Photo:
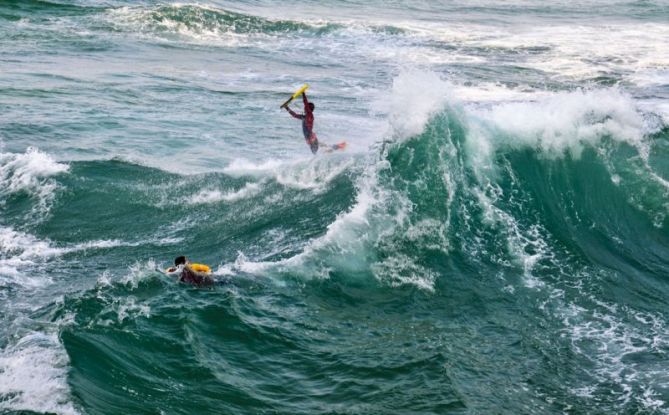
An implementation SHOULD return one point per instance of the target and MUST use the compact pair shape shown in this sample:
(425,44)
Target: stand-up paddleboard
(295,95)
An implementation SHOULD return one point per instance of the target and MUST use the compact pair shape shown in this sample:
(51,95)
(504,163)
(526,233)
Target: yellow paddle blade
(295,95)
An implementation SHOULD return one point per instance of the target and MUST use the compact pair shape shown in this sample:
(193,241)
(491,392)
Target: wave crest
(31,173)
(202,22)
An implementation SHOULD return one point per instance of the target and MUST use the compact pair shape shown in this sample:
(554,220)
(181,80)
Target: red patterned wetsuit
(190,276)
(307,124)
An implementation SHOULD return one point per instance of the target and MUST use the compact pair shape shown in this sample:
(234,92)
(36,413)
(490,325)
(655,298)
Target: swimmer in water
(191,273)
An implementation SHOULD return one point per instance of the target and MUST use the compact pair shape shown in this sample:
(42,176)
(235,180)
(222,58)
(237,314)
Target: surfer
(307,123)
(191,273)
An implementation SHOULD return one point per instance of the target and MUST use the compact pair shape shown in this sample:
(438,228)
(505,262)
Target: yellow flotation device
(200,268)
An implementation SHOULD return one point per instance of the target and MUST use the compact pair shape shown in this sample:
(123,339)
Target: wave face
(495,238)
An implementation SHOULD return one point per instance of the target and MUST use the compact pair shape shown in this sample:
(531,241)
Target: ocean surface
(494,240)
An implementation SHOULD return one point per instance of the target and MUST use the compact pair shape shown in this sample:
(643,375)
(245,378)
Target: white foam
(313,173)
(138,272)
(116,243)
(574,51)
(491,92)
(343,245)
(652,400)
(605,337)
(400,269)
(20,251)
(618,48)
(27,247)
(430,233)
(201,26)
(24,246)
(409,112)
(242,167)
(651,78)
(129,308)
(527,247)
(104,280)
(563,122)
(209,196)
(33,375)
(243,264)
(30,172)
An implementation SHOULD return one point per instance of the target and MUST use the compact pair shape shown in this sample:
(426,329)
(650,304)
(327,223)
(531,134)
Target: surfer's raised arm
(293,113)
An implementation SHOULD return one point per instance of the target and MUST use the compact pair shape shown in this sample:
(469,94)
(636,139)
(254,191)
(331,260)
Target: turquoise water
(495,238)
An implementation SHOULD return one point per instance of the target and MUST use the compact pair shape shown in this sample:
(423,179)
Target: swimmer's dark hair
(179,260)
(312,106)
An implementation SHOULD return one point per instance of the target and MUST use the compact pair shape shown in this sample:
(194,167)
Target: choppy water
(494,240)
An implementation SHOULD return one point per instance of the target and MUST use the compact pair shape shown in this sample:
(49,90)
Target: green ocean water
(494,240)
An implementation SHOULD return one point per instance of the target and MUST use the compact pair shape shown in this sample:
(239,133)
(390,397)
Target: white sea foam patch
(31,172)
(575,51)
(33,375)
(492,92)
(314,173)
(23,245)
(138,272)
(208,196)
(401,269)
(407,111)
(629,49)
(526,245)
(623,345)
(560,123)
(243,264)
(197,23)
(116,309)
(116,243)
(243,167)
(20,251)
(161,21)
